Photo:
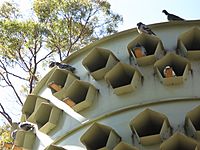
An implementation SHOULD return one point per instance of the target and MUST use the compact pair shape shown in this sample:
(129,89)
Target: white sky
(146,11)
(133,11)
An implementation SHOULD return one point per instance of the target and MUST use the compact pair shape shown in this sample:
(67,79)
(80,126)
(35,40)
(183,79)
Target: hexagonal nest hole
(47,117)
(150,124)
(123,78)
(79,95)
(177,63)
(150,127)
(150,43)
(178,68)
(43,114)
(99,61)
(191,39)
(29,105)
(60,78)
(179,142)
(100,136)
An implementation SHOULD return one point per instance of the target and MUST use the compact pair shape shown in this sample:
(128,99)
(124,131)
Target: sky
(133,11)
(146,11)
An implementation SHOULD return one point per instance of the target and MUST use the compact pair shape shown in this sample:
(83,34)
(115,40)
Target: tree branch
(5,114)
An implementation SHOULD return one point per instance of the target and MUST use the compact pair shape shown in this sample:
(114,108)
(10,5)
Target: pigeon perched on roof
(142,28)
(172,17)
(62,66)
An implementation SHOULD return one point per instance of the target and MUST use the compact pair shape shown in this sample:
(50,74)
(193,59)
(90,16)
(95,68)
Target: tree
(5,131)
(75,23)
(59,27)
(21,48)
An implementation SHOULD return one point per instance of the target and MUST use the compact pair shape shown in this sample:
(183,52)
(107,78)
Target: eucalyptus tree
(57,28)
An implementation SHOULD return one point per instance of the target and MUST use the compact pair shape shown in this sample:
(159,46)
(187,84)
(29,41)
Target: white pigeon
(142,28)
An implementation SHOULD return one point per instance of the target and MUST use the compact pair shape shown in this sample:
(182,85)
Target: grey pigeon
(142,28)
(13,134)
(62,66)
(172,17)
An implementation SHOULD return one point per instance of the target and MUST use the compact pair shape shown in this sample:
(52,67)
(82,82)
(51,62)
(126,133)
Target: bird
(169,72)
(172,17)
(13,134)
(62,66)
(26,126)
(142,28)
(139,51)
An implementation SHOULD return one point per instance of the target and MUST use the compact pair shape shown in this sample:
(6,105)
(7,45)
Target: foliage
(5,134)
(9,11)
(58,28)
(75,23)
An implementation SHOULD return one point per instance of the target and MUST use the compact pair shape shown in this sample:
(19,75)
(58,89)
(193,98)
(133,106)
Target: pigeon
(172,17)
(13,134)
(26,126)
(169,72)
(142,28)
(139,50)
(62,66)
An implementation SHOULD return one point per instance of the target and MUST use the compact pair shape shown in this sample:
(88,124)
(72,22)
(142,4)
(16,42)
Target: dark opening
(193,45)
(121,79)
(196,122)
(80,94)
(150,127)
(98,63)
(98,141)
(44,116)
(59,78)
(150,47)
(183,146)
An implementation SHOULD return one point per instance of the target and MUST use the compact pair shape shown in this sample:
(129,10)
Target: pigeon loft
(189,43)
(152,45)
(100,136)
(99,61)
(181,67)
(123,78)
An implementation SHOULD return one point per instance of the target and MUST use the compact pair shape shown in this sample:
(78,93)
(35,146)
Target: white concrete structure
(122,102)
